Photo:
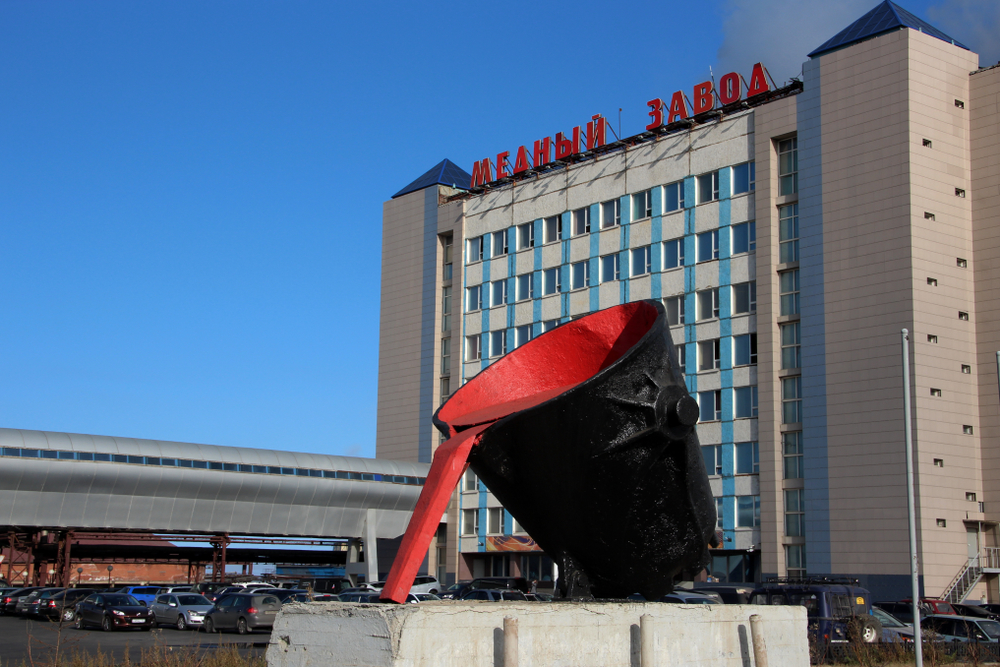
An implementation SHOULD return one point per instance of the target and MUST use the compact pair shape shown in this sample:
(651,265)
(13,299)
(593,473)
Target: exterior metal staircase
(970,575)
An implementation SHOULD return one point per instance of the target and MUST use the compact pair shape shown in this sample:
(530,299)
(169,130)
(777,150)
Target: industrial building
(791,231)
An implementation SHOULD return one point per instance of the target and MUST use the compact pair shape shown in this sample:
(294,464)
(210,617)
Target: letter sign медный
(705,96)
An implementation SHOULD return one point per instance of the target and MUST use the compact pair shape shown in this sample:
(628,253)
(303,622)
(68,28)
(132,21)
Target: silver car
(181,610)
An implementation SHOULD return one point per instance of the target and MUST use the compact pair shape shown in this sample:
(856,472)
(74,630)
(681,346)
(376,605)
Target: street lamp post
(911,503)
(110,567)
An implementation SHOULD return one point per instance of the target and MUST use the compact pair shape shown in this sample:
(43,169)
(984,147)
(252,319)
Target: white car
(424,584)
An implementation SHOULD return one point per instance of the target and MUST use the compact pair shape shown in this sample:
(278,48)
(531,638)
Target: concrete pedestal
(523,634)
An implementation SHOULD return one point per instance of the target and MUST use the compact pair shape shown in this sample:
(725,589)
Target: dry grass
(156,656)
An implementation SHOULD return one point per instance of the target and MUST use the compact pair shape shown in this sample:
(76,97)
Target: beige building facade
(791,239)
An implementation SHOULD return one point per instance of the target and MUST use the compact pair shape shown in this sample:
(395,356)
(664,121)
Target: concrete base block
(523,634)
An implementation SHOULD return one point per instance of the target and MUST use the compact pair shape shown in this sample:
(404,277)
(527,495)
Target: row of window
(706,186)
(744,404)
(494,522)
(746,454)
(747,510)
(206,465)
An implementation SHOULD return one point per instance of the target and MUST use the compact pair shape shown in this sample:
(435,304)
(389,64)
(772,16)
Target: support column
(371,547)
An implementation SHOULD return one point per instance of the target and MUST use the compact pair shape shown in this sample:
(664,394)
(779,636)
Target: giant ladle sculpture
(586,435)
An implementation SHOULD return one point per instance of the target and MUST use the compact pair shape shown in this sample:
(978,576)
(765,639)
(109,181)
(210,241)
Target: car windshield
(991,628)
(455,587)
(887,620)
(808,600)
(192,600)
(121,601)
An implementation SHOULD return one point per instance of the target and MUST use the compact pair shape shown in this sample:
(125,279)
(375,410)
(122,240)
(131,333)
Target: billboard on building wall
(511,543)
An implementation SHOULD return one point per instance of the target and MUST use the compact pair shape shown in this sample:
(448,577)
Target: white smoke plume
(974,23)
(779,33)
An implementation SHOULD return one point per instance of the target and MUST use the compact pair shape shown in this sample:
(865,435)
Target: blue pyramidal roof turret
(445,172)
(886,17)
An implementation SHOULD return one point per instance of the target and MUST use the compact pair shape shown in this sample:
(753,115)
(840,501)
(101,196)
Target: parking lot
(18,636)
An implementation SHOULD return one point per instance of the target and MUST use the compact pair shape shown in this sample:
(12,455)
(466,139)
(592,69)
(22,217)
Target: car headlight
(116,612)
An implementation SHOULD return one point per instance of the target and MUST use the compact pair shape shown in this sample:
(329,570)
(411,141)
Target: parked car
(836,610)
(292,595)
(974,610)
(425,597)
(425,584)
(113,610)
(931,606)
(206,588)
(456,590)
(28,605)
(10,600)
(326,597)
(893,629)
(679,596)
(495,595)
(181,610)
(243,612)
(141,593)
(954,628)
(173,589)
(729,593)
(510,583)
(63,604)
(359,596)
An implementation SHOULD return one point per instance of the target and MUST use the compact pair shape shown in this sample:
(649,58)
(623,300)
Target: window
(516,528)
(791,400)
(960,104)
(791,446)
(708,187)
(962,315)
(961,263)
(580,274)
(745,402)
(673,197)
(581,221)
(710,403)
(719,505)
(526,236)
(713,459)
(549,325)
(641,261)
(446,308)
(744,237)
(743,178)
(788,166)
(553,228)
(525,287)
(445,356)
(745,350)
(474,250)
(470,522)
(610,266)
(551,281)
(447,243)
(932,282)
(931,338)
(494,521)
(967,429)
(642,205)
(795,561)
(747,458)
(673,254)
(498,293)
(788,288)
(522,335)
(791,346)
(939,463)
(469,481)
(611,213)
(788,233)
(708,246)
(498,244)
(967,369)
(473,298)
(498,343)
(745,297)
(674,306)
(970,497)
(708,304)
(681,356)
(942,523)
(747,511)
(959,192)
(708,354)
(473,348)
(795,518)
(444,384)
(929,216)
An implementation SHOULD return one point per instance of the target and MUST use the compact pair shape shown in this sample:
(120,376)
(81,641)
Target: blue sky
(191,192)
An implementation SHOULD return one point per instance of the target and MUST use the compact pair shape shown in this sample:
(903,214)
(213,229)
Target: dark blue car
(838,610)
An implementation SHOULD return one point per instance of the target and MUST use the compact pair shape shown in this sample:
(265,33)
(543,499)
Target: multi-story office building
(791,235)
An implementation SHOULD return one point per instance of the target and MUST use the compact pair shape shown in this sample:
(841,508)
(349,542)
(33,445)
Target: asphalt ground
(28,641)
